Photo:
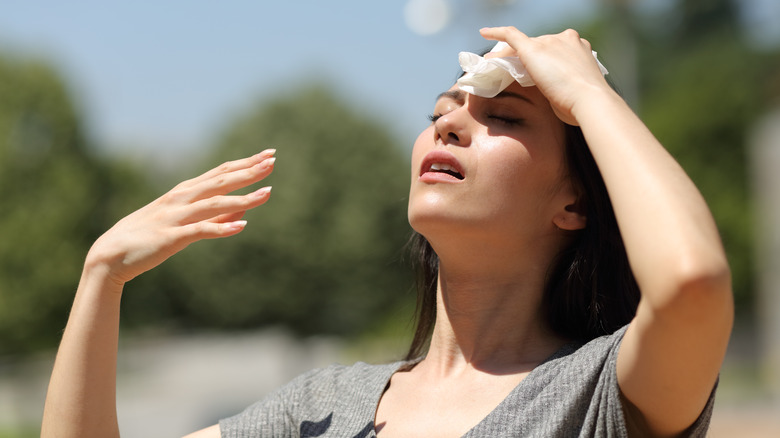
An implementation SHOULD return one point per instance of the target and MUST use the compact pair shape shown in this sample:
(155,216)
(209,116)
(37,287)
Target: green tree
(55,199)
(323,256)
(702,103)
(702,87)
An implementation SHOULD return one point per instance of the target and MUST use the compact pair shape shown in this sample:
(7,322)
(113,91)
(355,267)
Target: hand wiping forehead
(488,77)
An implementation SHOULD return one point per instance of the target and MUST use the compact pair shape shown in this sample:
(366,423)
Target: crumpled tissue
(488,77)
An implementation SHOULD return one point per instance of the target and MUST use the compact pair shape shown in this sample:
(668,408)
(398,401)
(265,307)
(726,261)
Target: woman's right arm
(671,354)
(81,399)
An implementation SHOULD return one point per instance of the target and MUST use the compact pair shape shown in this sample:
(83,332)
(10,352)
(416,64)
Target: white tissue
(488,77)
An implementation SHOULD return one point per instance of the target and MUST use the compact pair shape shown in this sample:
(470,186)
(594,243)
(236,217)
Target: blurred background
(105,106)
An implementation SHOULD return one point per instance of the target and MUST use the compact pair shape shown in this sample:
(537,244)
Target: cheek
(518,174)
(503,162)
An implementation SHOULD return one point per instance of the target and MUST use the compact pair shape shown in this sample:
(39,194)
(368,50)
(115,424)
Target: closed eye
(509,121)
(434,117)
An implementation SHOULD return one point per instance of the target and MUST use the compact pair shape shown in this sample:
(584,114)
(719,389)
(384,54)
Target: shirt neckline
(395,367)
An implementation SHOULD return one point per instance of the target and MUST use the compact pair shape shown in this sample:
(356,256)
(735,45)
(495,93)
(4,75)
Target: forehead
(531,95)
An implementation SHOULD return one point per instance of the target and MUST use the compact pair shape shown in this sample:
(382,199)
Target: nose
(453,128)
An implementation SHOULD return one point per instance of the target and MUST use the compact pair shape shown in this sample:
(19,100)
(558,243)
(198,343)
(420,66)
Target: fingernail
(266,153)
(262,192)
(268,162)
(236,225)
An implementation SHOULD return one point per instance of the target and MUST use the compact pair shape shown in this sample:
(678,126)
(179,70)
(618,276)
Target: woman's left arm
(671,355)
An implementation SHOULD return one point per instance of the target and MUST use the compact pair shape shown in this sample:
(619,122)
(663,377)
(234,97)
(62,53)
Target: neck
(489,312)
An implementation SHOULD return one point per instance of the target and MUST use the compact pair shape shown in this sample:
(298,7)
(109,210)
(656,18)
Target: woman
(496,195)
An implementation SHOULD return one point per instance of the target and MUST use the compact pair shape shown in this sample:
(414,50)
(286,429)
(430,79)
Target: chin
(427,211)
(428,221)
(435,224)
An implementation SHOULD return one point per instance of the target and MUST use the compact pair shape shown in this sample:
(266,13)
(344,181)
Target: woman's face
(489,165)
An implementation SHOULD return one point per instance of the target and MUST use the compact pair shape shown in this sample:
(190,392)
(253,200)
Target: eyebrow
(504,94)
(460,96)
(456,95)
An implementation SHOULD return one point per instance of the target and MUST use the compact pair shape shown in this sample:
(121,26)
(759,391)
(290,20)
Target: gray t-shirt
(574,393)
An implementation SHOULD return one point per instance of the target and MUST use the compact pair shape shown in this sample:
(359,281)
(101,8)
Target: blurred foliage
(702,87)
(54,198)
(323,256)
(28,432)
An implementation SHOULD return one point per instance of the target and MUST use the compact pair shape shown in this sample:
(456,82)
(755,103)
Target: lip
(440,157)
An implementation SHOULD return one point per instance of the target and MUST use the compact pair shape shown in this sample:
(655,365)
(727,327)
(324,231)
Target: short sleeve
(614,423)
(335,401)
(269,417)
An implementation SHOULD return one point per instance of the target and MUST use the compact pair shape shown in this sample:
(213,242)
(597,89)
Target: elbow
(705,276)
(699,290)
(711,285)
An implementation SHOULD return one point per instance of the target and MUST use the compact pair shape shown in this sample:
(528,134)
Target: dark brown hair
(590,289)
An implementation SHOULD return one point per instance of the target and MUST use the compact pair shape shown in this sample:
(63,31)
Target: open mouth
(445,168)
(441,166)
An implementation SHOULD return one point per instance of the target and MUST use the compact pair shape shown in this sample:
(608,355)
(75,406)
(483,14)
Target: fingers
(213,218)
(503,53)
(517,39)
(503,34)
(509,35)
(201,207)
(196,209)
(226,178)
(230,166)
(229,217)
(218,209)
(207,230)
(585,43)
(221,184)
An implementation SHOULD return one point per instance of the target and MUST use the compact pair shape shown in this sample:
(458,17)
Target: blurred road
(745,420)
(175,385)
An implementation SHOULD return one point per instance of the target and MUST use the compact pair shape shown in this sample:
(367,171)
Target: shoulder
(343,377)
(573,393)
(583,360)
(584,380)
(336,398)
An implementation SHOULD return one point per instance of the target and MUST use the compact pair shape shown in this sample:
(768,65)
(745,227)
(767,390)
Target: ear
(572,217)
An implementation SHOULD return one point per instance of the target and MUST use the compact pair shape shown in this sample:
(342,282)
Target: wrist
(597,102)
(98,271)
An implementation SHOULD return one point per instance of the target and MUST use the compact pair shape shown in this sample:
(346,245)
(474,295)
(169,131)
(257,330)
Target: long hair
(590,290)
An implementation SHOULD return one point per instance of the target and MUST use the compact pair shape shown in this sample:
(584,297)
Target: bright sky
(168,75)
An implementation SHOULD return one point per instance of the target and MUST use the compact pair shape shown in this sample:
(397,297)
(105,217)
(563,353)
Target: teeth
(442,167)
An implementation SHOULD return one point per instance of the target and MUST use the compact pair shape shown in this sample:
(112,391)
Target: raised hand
(199,208)
(562,66)
(81,399)
(671,354)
